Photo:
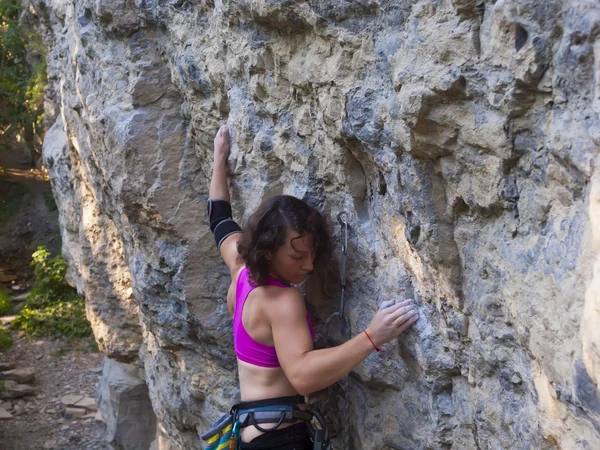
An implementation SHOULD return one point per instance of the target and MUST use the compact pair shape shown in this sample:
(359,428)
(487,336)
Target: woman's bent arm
(318,369)
(310,370)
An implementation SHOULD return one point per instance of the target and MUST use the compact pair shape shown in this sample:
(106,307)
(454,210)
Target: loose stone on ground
(4,414)
(22,376)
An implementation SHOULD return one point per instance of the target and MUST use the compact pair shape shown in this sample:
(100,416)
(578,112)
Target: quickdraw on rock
(344,328)
(344,324)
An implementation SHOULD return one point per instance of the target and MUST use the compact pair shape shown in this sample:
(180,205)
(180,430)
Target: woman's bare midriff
(259,383)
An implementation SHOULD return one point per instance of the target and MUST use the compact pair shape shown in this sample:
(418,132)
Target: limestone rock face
(462,139)
(90,240)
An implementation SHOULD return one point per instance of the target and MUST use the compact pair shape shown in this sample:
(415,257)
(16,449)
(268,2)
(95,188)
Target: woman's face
(294,260)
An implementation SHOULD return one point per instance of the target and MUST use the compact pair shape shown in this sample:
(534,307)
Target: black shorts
(294,437)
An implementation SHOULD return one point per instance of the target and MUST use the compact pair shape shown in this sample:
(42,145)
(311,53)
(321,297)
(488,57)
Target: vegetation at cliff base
(22,72)
(5,307)
(53,308)
(5,340)
(5,303)
(13,197)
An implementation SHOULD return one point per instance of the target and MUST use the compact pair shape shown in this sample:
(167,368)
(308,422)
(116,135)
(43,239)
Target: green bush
(5,303)
(49,200)
(13,197)
(81,345)
(50,285)
(53,308)
(65,318)
(21,86)
(5,342)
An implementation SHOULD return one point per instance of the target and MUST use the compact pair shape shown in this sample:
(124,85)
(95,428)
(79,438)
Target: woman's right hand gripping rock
(221,145)
(391,321)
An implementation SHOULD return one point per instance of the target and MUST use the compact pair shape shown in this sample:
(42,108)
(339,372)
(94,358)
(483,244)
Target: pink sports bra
(246,348)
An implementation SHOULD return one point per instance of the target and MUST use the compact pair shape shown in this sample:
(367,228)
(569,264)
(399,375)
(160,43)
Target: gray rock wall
(461,137)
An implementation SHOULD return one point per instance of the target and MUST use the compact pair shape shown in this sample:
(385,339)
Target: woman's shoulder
(280,300)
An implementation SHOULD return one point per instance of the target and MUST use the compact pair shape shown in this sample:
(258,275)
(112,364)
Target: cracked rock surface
(460,136)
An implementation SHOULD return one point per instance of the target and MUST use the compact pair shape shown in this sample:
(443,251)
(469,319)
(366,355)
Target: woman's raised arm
(218,183)
(225,229)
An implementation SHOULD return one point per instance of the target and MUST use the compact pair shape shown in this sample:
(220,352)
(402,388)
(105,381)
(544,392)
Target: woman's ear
(268,256)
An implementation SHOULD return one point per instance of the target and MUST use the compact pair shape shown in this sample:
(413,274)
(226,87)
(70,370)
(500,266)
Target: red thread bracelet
(380,350)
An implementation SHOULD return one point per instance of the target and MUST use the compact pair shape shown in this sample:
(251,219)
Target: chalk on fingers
(387,304)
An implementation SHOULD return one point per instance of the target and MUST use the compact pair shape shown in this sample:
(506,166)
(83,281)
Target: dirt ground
(61,366)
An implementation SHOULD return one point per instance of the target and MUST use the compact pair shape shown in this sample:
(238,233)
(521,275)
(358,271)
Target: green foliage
(5,343)
(5,303)
(65,318)
(50,285)
(53,308)
(13,197)
(21,86)
(49,201)
(81,346)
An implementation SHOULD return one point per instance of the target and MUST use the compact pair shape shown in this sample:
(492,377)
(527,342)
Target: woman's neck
(277,278)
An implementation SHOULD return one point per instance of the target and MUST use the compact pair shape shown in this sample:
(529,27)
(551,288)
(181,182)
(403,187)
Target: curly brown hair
(266,232)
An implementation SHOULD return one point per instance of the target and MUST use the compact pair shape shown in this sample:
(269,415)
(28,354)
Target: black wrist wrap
(221,223)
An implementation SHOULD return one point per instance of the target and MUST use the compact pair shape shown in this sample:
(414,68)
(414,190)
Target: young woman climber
(273,337)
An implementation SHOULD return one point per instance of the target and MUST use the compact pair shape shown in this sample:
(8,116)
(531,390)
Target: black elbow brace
(221,223)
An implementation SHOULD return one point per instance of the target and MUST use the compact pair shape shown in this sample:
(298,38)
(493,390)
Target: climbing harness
(345,329)
(225,433)
(219,436)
